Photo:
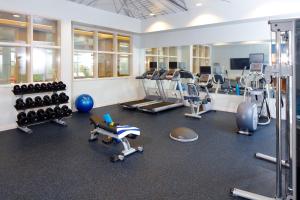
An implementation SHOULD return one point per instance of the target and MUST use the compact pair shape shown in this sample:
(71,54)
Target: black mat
(58,162)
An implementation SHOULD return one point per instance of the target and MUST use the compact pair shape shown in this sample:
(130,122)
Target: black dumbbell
(66,111)
(55,86)
(29,102)
(50,113)
(20,104)
(22,119)
(38,101)
(55,98)
(63,98)
(47,100)
(32,116)
(41,114)
(58,112)
(17,89)
(49,87)
(30,88)
(23,89)
(61,85)
(44,87)
(37,88)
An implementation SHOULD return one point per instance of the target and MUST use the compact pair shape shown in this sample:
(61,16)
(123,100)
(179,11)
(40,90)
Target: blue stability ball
(84,103)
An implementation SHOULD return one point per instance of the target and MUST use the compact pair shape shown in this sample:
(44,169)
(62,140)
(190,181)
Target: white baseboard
(8,127)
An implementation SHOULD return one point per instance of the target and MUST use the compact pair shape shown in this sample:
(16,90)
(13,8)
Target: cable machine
(284,69)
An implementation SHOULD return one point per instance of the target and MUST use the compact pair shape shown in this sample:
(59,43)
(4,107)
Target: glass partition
(83,40)
(105,42)
(83,65)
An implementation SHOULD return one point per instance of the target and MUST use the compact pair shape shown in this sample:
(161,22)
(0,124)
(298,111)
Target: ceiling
(143,9)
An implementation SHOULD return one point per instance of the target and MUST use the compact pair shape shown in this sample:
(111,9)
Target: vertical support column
(278,118)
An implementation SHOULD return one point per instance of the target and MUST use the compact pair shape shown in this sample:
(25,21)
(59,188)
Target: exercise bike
(199,105)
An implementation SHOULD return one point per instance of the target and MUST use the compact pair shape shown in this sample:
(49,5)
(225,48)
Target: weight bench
(118,132)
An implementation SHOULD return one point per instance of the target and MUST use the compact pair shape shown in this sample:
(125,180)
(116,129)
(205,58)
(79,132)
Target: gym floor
(59,163)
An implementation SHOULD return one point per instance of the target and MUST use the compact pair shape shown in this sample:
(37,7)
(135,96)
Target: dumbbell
(61,85)
(55,98)
(66,111)
(38,101)
(23,89)
(29,102)
(50,113)
(32,117)
(20,104)
(22,119)
(37,87)
(44,87)
(49,87)
(17,89)
(55,86)
(63,98)
(47,100)
(30,88)
(41,114)
(58,112)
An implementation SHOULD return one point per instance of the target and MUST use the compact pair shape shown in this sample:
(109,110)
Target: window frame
(96,51)
(31,44)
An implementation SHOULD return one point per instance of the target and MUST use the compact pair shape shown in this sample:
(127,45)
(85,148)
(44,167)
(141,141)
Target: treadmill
(168,103)
(148,99)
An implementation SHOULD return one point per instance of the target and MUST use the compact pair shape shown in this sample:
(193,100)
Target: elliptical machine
(254,110)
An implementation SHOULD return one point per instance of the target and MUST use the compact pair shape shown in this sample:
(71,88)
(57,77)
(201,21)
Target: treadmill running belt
(156,105)
(130,103)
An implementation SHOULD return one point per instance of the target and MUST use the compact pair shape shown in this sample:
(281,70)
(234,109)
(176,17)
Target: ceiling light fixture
(199,4)
(16,16)
(152,14)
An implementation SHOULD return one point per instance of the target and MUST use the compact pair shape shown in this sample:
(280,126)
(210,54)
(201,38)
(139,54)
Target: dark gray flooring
(59,163)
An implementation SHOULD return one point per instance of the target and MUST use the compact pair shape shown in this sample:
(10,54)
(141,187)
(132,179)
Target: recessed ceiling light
(152,14)
(199,4)
(16,16)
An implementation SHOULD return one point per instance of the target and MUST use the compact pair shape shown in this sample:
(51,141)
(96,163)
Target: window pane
(45,30)
(13,65)
(123,65)
(123,44)
(83,64)
(151,51)
(105,65)
(83,40)
(105,42)
(45,64)
(13,27)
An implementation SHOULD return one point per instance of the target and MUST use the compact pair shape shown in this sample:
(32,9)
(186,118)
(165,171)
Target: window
(16,48)
(83,65)
(105,65)
(45,30)
(45,64)
(13,27)
(99,54)
(13,65)
(83,40)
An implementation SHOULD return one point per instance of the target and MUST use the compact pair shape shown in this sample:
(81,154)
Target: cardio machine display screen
(172,65)
(205,70)
(239,63)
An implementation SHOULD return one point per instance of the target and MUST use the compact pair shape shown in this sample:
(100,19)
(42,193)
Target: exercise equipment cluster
(30,105)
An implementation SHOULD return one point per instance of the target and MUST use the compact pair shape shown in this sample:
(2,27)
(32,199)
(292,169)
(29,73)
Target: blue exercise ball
(84,103)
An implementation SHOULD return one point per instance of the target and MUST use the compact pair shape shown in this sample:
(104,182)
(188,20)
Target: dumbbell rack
(26,128)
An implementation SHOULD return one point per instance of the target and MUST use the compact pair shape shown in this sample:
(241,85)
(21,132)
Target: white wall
(215,12)
(105,92)
(235,32)
(222,55)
